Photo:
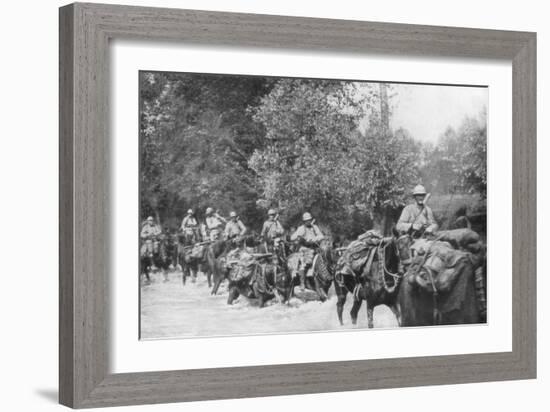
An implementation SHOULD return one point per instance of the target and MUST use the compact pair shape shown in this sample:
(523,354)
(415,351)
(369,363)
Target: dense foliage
(250,143)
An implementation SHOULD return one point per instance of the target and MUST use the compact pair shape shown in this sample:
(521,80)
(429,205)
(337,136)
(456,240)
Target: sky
(427,110)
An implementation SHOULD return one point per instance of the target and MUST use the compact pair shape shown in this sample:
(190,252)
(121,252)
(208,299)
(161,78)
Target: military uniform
(148,232)
(272,229)
(234,229)
(417,215)
(214,226)
(189,223)
(311,234)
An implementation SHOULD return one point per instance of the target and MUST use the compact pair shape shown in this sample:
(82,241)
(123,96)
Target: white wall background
(28,169)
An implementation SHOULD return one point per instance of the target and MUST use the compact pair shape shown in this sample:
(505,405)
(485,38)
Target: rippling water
(171,310)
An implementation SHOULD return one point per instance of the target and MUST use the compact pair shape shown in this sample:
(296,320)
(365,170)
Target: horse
(321,274)
(219,249)
(189,255)
(440,285)
(158,258)
(377,283)
(265,279)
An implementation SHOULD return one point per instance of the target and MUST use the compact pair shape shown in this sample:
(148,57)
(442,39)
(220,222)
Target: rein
(383,270)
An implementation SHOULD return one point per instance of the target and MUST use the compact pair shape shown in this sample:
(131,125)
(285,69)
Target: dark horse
(320,276)
(445,297)
(216,258)
(267,279)
(189,255)
(377,283)
(158,258)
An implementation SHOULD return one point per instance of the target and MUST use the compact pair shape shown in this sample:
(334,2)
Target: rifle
(197,244)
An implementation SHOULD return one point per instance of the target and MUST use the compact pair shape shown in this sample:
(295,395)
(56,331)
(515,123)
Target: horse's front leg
(370,316)
(355,310)
(209,278)
(397,313)
(341,294)
(233,294)
(319,289)
(278,296)
(218,279)
(183,274)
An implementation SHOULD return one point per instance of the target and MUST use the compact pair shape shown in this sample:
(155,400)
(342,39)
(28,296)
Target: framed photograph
(236,188)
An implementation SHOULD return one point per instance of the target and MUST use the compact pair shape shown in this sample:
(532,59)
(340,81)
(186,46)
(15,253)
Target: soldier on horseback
(235,228)
(190,227)
(272,230)
(149,232)
(417,218)
(308,235)
(214,224)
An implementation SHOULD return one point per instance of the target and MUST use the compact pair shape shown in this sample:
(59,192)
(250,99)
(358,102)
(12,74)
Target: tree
(319,158)
(197,137)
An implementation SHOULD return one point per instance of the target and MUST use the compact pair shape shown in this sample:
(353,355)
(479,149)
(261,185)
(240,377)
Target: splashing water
(171,310)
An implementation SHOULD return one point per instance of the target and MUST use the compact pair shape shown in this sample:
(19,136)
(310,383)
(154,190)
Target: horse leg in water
(355,310)
(209,278)
(319,289)
(193,272)
(219,276)
(341,293)
(397,313)
(145,268)
(370,315)
(184,273)
(233,294)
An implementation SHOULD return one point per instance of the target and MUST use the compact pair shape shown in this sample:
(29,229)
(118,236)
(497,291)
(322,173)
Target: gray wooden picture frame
(85,31)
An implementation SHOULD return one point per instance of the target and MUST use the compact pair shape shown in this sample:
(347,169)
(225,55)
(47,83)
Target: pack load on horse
(369,269)
(417,253)
(255,275)
(192,258)
(439,286)
(356,255)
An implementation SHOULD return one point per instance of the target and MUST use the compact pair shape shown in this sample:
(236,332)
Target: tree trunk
(384,108)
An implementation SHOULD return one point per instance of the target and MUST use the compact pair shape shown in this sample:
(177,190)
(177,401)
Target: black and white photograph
(285,205)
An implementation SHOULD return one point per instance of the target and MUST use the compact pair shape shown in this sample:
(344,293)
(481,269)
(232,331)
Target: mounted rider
(190,226)
(308,235)
(235,228)
(272,230)
(214,224)
(417,218)
(149,232)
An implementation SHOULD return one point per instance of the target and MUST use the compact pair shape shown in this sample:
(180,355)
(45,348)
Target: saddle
(359,253)
(438,258)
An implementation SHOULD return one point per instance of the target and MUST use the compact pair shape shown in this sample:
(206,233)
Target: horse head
(403,242)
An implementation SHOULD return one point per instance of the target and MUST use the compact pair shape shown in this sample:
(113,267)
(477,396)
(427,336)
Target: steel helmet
(209,210)
(271,212)
(190,211)
(419,190)
(306,216)
(150,219)
(233,214)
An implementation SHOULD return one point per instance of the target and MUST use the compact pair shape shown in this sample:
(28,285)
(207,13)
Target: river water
(171,310)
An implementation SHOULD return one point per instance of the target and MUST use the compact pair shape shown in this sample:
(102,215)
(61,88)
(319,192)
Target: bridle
(383,269)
